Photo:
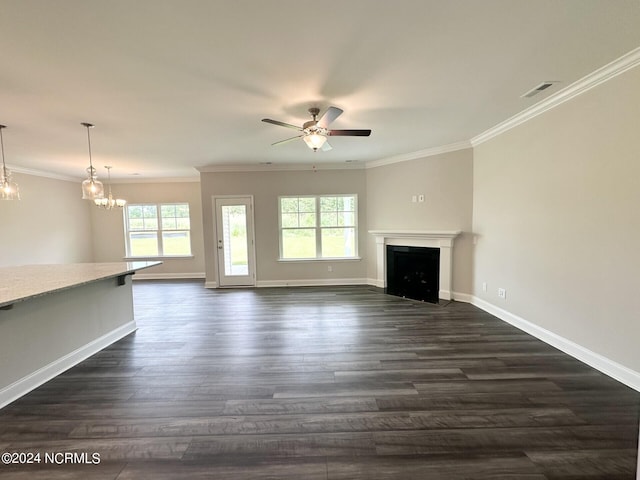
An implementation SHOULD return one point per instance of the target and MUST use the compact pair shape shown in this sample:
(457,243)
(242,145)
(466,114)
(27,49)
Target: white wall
(108,226)
(266,186)
(557,212)
(446,180)
(50,224)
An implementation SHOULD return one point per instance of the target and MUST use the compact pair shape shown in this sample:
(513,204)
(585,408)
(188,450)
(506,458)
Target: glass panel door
(235,243)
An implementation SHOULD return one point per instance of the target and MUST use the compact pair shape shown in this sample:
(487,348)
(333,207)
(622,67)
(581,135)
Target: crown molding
(41,173)
(603,74)
(277,167)
(428,152)
(136,179)
(67,178)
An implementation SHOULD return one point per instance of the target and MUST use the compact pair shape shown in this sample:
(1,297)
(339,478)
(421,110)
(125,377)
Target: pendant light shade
(314,140)
(92,188)
(8,189)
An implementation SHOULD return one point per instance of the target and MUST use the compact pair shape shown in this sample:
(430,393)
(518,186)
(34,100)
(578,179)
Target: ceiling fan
(315,132)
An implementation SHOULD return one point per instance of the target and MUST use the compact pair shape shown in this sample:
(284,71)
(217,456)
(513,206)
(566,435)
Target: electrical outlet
(414,198)
(484,287)
(502,293)
(330,268)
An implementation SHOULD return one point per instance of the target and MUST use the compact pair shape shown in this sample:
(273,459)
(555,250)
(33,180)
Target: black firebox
(413,272)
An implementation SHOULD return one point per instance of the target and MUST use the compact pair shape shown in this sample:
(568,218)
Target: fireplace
(439,240)
(413,272)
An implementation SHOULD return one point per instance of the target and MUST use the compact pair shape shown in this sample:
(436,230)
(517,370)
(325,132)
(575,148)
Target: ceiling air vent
(536,90)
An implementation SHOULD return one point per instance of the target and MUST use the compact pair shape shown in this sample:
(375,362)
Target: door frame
(252,239)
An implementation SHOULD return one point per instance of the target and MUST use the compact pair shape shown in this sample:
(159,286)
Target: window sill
(158,257)
(336,259)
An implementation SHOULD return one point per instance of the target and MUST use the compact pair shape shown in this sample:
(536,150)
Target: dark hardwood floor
(323,383)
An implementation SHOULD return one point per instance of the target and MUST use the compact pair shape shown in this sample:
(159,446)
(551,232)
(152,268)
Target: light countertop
(23,282)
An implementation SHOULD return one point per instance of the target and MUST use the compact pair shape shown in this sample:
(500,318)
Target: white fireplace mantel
(415,238)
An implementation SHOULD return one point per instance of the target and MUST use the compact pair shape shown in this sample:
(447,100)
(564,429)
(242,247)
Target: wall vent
(536,90)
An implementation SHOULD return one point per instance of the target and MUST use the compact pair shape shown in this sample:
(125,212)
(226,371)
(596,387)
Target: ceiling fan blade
(287,140)
(329,116)
(326,147)
(349,133)
(282,124)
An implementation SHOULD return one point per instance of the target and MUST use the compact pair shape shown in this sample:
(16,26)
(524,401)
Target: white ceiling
(176,84)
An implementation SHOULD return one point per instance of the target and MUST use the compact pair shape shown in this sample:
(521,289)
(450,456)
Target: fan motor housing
(309,124)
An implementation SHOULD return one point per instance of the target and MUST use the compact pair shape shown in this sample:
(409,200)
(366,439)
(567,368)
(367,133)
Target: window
(158,230)
(318,227)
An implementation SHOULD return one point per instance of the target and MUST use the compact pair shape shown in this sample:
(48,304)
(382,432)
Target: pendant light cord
(109,179)
(4,166)
(89,142)
(91,170)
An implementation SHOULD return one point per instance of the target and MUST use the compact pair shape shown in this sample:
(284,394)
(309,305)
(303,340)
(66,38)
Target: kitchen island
(54,316)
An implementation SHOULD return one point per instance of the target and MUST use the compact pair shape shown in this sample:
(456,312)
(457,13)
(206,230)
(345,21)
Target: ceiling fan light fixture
(314,141)
(315,132)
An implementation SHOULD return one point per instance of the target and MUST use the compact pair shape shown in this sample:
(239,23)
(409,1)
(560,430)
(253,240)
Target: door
(235,241)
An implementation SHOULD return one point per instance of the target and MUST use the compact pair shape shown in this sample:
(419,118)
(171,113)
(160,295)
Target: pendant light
(109,202)
(91,188)
(8,189)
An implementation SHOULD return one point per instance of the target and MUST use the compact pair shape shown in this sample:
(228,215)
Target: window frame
(158,232)
(318,228)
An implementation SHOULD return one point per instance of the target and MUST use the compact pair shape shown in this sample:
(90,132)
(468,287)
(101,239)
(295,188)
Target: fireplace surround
(443,240)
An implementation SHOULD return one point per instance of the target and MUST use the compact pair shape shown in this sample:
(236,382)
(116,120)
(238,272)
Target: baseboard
(625,375)
(462,297)
(23,386)
(168,276)
(317,282)
(375,283)
(211,284)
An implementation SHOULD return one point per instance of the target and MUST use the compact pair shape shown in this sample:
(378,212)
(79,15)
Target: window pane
(288,205)
(143,244)
(289,220)
(151,223)
(307,219)
(299,243)
(328,219)
(168,210)
(149,211)
(346,219)
(236,242)
(176,243)
(183,223)
(134,211)
(182,210)
(338,242)
(328,204)
(307,204)
(168,223)
(136,224)
(344,203)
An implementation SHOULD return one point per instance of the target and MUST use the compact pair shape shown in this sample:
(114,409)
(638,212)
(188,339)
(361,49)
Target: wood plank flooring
(324,383)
